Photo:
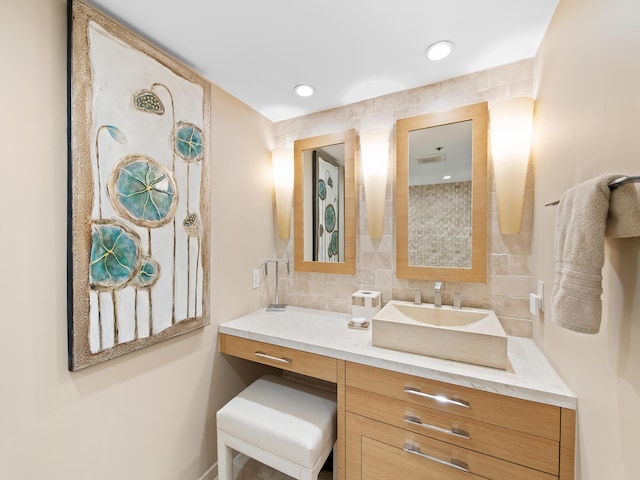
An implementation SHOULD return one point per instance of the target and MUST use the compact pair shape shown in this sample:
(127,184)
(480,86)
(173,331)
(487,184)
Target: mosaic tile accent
(440,225)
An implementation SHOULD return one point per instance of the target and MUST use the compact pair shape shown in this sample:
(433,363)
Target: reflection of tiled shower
(440,225)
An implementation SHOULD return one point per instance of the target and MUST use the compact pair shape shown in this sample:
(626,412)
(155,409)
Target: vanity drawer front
(528,450)
(384,462)
(318,366)
(516,414)
(376,451)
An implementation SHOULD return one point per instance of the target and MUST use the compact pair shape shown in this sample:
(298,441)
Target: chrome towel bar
(612,186)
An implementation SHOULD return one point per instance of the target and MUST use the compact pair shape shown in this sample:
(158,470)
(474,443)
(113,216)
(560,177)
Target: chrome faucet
(276,306)
(438,294)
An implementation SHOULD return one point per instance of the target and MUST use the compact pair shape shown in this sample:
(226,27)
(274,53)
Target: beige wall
(150,414)
(588,123)
(147,415)
(508,286)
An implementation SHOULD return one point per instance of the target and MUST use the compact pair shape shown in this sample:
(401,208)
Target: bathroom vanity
(408,416)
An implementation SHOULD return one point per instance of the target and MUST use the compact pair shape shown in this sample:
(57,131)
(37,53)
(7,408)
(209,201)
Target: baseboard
(211,473)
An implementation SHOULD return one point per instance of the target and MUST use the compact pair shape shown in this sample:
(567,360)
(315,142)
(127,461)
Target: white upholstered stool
(285,425)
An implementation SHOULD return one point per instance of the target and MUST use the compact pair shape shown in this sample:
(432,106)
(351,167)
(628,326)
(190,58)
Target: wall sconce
(511,130)
(374,155)
(282,164)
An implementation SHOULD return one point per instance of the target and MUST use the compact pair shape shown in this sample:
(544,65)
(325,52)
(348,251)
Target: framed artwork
(328,175)
(138,192)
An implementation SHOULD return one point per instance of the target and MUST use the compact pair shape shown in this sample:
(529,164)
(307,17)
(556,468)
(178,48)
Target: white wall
(588,123)
(146,415)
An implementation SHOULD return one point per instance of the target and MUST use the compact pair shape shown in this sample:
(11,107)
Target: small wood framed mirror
(324,205)
(441,195)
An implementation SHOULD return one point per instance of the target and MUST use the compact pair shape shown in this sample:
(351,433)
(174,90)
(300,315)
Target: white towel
(581,223)
(623,220)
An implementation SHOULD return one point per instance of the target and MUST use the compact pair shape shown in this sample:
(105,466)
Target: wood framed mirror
(324,205)
(441,195)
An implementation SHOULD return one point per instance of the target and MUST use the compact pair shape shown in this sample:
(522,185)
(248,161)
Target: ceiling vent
(433,158)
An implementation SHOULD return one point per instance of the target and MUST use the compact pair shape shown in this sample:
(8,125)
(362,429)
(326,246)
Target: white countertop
(530,376)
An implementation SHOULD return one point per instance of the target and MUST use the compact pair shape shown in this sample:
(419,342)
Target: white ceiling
(349,50)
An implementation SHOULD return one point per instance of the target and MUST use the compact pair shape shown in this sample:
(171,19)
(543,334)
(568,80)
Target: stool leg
(225,460)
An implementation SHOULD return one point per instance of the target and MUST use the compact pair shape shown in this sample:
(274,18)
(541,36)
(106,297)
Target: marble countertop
(530,376)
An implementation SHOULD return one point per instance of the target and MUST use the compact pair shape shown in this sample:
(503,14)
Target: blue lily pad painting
(327,208)
(330,218)
(188,142)
(333,245)
(143,191)
(148,273)
(138,192)
(115,255)
(322,189)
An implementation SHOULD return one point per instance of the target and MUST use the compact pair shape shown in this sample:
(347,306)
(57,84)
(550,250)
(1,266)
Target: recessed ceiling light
(439,50)
(304,90)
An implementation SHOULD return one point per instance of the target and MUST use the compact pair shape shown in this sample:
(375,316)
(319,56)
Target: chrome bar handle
(438,398)
(456,432)
(453,463)
(275,359)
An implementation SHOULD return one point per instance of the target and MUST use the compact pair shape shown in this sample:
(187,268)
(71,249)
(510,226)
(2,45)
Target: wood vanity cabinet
(298,361)
(394,426)
(403,427)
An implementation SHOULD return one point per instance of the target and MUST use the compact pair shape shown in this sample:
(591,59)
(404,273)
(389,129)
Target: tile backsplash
(440,225)
(509,256)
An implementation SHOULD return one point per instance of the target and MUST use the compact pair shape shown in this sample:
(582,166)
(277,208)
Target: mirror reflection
(440,188)
(324,203)
(324,207)
(441,195)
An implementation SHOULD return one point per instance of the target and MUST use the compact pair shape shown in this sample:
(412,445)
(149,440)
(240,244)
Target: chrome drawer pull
(457,464)
(437,398)
(456,432)
(275,359)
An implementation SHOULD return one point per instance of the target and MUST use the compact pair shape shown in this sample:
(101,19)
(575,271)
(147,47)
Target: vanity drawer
(376,451)
(528,450)
(384,462)
(318,366)
(522,415)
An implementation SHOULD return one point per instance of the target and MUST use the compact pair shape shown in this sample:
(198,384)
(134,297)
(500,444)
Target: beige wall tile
(508,255)
(510,285)
(519,264)
(525,88)
(517,307)
(512,73)
(498,264)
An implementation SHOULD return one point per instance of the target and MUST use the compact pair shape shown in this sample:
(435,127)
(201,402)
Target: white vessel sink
(469,335)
